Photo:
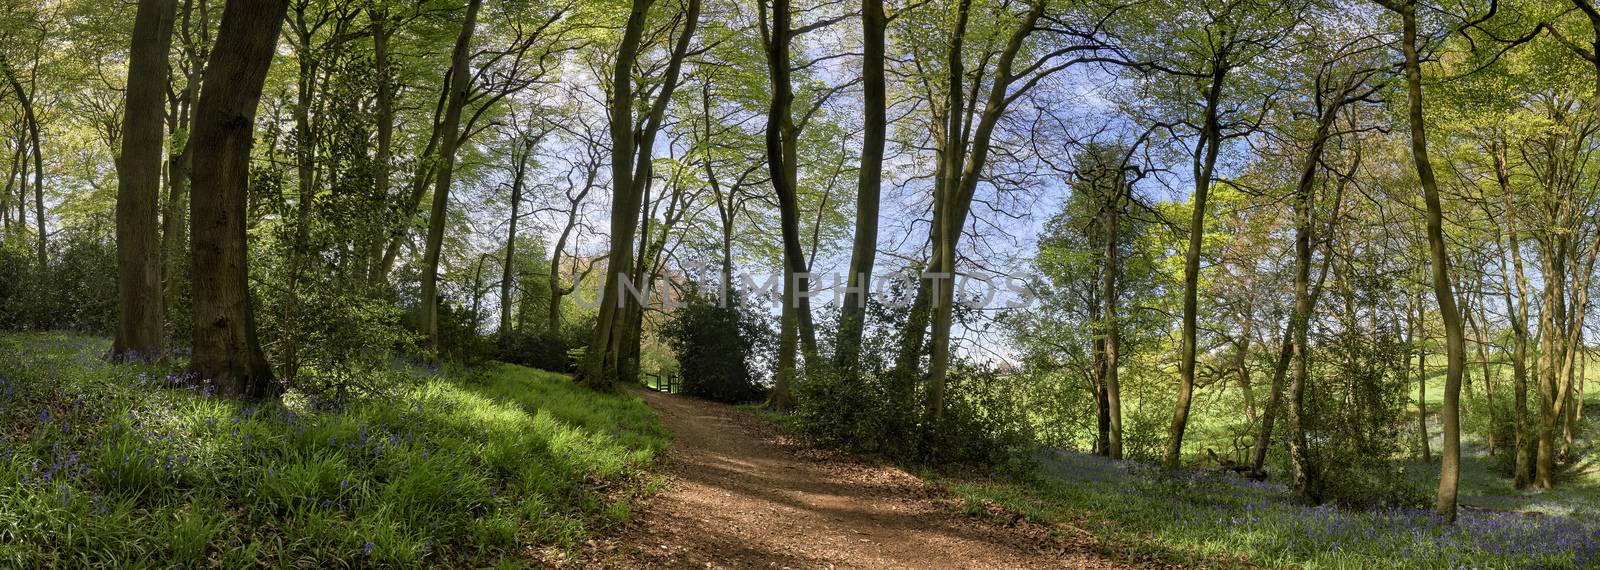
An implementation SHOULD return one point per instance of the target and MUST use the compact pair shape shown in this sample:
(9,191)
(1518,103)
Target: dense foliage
(717,346)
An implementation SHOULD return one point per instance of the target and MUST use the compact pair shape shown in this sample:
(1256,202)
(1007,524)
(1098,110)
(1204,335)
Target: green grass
(109,465)
(1501,368)
(1201,517)
(1213,519)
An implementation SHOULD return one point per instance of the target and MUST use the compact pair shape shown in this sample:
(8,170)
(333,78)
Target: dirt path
(743,497)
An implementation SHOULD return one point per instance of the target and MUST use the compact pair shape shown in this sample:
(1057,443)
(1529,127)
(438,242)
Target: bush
(78,291)
(878,409)
(983,422)
(863,413)
(1357,417)
(716,347)
(348,345)
(458,336)
(544,350)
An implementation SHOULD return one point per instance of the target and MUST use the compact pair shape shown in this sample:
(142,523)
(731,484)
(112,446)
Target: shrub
(458,335)
(545,350)
(862,413)
(77,291)
(878,409)
(716,347)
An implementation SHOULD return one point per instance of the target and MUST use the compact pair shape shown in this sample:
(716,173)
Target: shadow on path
(740,497)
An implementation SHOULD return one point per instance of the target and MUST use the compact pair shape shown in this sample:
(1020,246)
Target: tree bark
(1482,338)
(556,291)
(226,351)
(1443,290)
(139,309)
(630,170)
(1517,311)
(383,103)
(460,87)
(506,273)
(960,186)
(175,225)
(1204,169)
(30,122)
(1112,329)
(1422,388)
(782,158)
(869,185)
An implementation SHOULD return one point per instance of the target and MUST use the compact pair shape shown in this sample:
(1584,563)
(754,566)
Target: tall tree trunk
(30,123)
(477,295)
(226,351)
(633,313)
(1241,365)
(556,291)
(11,179)
(1482,339)
(940,280)
(38,189)
(853,313)
(599,368)
(1573,403)
(1552,315)
(1102,405)
(139,311)
(305,152)
(1517,312)
(1422,388)
(1280,370)
(962,183)
(782,158)
(175,225)
(460,91)
(1443,290)
(426,164)
(383,161)
(630,170)
(1205,162)
(1306,477)
(1112,329)
(506,275)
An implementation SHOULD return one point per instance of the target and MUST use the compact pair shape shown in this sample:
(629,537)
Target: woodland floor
(743,496)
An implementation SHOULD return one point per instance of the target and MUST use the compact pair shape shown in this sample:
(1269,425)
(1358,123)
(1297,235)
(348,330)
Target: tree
(30,122)
(140,315)
(1335,89)
(195,40)
(460,85)
(1439,259)
(967,145)
(226,350)
(630,171)
(1233,34)
(869,185)
(519,177)
(782,136)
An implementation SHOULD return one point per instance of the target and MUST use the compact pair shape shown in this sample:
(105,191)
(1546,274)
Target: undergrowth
(108,465)
(1217,519)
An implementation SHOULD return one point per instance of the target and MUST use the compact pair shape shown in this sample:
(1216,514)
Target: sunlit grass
(131,465)
(1216,519)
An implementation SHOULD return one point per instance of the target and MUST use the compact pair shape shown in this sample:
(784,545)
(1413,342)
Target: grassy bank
(1215,519)
(138,466)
